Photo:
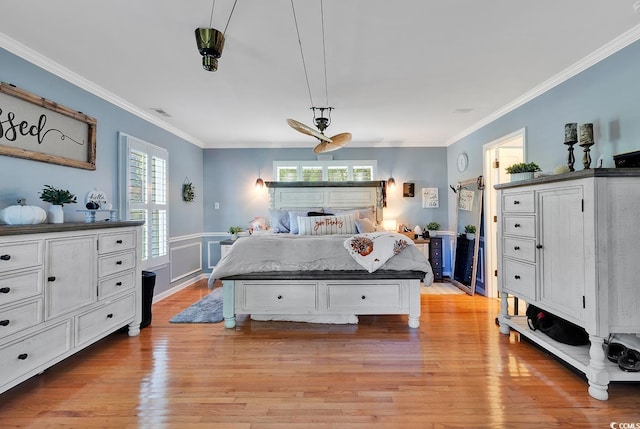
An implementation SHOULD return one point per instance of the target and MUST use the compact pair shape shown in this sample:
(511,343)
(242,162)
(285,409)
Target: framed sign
(408,189)
(35,128)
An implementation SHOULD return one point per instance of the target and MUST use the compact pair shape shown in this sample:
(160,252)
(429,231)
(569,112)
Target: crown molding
(51,66)
(595,57)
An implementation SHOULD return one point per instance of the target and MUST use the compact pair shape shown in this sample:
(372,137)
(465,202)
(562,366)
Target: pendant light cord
(228,20)
(304,64)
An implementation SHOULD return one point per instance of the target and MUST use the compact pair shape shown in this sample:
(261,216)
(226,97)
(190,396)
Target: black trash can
(148,283)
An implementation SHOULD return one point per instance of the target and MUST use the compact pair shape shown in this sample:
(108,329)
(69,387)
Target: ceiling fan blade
(337,141)
(304,129)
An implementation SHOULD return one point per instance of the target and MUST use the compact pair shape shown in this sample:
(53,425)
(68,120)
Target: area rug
(207,310)
(440,289)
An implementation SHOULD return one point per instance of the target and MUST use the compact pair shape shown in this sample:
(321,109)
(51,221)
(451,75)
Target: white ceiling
(399,73)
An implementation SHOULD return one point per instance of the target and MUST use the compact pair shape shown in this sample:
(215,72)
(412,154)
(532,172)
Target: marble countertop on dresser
(60,227)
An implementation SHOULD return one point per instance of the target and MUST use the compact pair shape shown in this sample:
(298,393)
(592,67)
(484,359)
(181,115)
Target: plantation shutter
(145,196)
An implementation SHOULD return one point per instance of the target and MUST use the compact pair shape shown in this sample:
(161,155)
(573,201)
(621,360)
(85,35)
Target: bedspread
(306,253)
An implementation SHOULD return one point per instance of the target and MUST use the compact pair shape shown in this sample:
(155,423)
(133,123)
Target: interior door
(498,155)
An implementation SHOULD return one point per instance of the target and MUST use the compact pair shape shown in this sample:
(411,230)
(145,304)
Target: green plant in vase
(58,198)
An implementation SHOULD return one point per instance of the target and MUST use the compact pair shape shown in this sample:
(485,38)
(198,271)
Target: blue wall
(230,175)
(25,178)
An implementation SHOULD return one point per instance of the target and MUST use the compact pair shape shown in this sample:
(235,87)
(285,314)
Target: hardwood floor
(456,370)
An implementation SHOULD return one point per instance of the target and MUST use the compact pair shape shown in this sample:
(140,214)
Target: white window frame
(128,143)
(325,167)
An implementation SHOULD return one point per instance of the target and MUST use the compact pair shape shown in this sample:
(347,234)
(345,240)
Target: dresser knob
(517,225)
(516,202)
(516,247)
(4,322)
(5,257)
(118,262)
(5,290)
(539,246)
(119,284)
(118,241)
(363,297)
(517,277)
(110,316)
(23,356)
(51,278)
(279,296)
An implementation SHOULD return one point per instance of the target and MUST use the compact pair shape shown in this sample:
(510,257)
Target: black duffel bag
(555,327)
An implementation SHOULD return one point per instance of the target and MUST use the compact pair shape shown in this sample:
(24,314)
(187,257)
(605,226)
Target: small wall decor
(466,200)
(188,190)
(35,128)
(430,198)
(408,189)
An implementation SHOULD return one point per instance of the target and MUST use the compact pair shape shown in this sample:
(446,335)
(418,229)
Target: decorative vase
(234,237)
(470,236)
(433,233)
(515,177)
(55,214)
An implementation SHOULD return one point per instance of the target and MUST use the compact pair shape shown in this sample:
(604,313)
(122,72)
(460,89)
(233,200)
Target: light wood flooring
(455,371)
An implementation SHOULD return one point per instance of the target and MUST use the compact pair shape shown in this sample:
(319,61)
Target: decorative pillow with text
(326,225)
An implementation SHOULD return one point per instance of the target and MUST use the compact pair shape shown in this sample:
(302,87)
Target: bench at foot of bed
(322,293)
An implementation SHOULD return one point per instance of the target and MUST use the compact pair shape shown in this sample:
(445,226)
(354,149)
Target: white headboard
(328,194)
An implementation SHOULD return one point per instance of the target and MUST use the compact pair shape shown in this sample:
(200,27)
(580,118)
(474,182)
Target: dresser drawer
(523,226)
(21,316)
(98,321)
(116,284)
(18,286)
(28,354)
(363,296)
(519,279)
(119,262)
(15,256)
(301,296)
(518,202)
(114,242)
(519,248)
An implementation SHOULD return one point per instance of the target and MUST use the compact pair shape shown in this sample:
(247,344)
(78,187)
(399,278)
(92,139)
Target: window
(330,170)
(144,195)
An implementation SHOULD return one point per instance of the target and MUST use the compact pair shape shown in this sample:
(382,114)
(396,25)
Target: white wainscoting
(185,259)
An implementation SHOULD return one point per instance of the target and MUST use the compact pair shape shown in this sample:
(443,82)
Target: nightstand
(225,246)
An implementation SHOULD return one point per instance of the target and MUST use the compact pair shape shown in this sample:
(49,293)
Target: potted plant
(234,231)
(58,198)
(433,227)
(470,232)
(522,170)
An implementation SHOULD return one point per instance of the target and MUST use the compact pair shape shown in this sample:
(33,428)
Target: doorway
(498,155)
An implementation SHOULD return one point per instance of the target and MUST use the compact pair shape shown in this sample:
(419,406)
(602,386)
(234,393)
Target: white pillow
(364,225)
(326,225)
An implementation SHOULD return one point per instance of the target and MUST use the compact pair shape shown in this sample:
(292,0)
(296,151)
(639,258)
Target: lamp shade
(391,182)
(259,183)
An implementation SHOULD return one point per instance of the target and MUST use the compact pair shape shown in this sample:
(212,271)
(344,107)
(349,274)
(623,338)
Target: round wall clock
(462,162)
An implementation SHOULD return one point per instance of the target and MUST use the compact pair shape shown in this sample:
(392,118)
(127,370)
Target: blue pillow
(279,220)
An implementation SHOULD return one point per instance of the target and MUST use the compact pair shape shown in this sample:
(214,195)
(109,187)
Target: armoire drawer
(518,202)
(519,248)
(103,319)
(116,284)
(15,256)
(19,286)
(523,226)
(119,262)
(114,242)
(27,354)
(519,279)
(19,317)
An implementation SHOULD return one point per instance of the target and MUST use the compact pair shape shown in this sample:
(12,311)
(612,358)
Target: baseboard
(167,293)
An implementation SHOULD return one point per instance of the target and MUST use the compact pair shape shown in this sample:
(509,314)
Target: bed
(322,276)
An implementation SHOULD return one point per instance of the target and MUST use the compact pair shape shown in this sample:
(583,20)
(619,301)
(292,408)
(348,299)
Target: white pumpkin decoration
(22,214)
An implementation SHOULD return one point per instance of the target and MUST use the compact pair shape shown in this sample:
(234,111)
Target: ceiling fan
(327,144)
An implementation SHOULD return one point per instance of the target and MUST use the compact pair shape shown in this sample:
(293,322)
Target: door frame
(490,156)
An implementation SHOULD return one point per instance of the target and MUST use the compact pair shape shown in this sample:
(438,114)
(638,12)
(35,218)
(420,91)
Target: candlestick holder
(586,157)
(571,138)
(570,158)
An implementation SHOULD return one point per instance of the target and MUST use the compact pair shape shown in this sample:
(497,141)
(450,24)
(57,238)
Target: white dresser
(568,244)
(62,288)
